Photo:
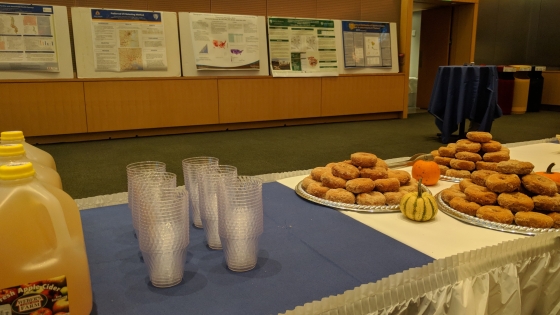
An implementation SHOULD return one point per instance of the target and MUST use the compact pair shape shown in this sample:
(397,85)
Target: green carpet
(99,167)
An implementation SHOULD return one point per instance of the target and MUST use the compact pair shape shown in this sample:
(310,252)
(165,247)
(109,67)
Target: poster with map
(366,44)
(27,38)
(128,40)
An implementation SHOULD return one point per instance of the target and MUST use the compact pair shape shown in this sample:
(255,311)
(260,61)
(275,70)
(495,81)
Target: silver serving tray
(450,179)
(346,206)
(509,228)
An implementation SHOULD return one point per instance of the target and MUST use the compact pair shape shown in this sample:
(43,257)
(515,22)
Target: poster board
(90,62)
(188,56)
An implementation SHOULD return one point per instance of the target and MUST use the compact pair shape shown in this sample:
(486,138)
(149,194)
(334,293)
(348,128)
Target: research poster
(128,40)
(225,42)
(27,38)
(366,44)
(302,47)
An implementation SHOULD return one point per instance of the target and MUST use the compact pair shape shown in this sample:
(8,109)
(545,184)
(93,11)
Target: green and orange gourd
(419,206)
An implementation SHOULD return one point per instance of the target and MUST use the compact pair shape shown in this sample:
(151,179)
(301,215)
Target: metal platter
(346,206)
(450,179)
(509,228)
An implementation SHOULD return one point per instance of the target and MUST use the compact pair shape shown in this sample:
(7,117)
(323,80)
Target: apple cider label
(44,297)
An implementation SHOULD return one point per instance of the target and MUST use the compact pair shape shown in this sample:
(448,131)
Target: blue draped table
(306,252)
(464,92)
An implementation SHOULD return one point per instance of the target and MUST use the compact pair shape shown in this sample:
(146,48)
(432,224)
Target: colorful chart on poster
(302,47)
(225,42)
(366,44)
(27,38)
(128,40)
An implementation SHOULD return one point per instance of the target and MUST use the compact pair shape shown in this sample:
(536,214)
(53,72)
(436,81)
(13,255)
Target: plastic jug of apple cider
(33,153)
(43,263)
(15,153)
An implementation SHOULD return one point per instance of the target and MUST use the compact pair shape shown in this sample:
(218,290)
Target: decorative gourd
(426,170)
(419,206)
(555,176)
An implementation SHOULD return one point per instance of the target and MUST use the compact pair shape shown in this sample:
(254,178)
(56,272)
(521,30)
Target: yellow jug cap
(11,149)
(15,171)
(11,135)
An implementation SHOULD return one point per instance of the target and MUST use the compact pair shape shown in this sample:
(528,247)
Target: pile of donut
(365,180)
(477,152)
(510,194)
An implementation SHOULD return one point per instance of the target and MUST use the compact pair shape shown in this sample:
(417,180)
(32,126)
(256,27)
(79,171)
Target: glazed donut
(516,202)
(515,167)
(435,153)
(441,160)
(479,136)
(464,206)
(381,163)
(331,181)
(479,177)
(317,189)
(466,182)
(363,159)
(468,145)
(448,194)
(458,173)
(448,151)
(306,181)
(491,146)
(497,156)
(539,185)
(468,156)
(501,183)
(462,165)
(481,195)
(340,195)
(495,214)
(374,173)
(360,185)
(491,166)
(556,218)
(547,203)
(345,171)
(442,169)
(317,172)
(402,176)
(387,184)
(534,220)
(373,198)
(393,197)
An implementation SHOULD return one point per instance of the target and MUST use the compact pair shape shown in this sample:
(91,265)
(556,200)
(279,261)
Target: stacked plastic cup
(212,181)
(191,172)
(163,230)
(241,222)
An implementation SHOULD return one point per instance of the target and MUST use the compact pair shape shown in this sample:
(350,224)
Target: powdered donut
(373,198)
(516,201)
(317,189)
(467,145)
(381,163)
(317,172)
(503,182)
(479,136)
(556,218)
(393,197)
(464,206)
(468,156)
(442,169)
(363,159)
(448,194)
(340,195)
(495,214)
(345,171)
(306,181)
(464,183)
(374,173)
(458,173)
(331,181)
(462,165)
(360,185)
(491,146)
(448,151)
(480,195)
(479,177)
(539,185)
(441,160)
(388,184)
(547,203)
(497,156)
(491,166)
(402,176)
(515,167)
(534,220)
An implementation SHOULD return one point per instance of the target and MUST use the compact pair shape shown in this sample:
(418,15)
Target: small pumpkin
(419,206)
(555,176)
(426,170)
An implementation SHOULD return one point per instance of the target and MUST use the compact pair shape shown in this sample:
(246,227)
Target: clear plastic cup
(241,254)
(241,212)
(191,169)
(166,268)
